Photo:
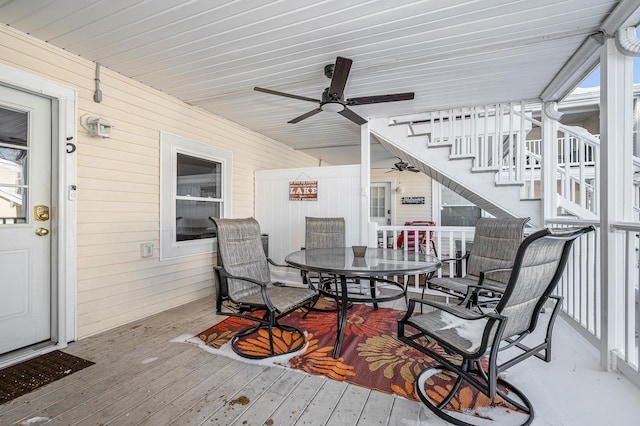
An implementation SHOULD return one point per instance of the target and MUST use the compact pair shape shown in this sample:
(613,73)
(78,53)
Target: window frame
(438,204)
(170,146)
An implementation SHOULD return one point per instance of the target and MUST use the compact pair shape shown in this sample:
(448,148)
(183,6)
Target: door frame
(392,194)
(63,221)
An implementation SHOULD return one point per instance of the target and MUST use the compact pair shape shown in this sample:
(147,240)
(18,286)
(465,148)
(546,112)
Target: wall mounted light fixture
(96,126)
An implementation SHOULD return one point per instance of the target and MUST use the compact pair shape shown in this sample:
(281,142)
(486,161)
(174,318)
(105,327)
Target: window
(195,184)
(377,205)
(456,210)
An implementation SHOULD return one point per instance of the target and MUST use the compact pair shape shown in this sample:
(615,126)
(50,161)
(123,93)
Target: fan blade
(347,113)
(364,100)
(339,79)
(413,169)
(287,95)
(305,115)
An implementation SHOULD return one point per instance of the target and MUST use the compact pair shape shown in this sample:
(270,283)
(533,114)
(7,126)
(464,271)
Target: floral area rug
(371,355)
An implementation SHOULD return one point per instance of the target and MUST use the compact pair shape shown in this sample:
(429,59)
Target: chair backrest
(495,244)
(411,237)
(240,250)
(324,232)
(539,265)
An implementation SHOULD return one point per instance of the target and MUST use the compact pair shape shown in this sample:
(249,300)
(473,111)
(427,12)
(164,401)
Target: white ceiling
(212,53)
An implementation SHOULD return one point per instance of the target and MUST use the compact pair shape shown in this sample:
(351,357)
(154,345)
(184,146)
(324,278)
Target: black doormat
(34,373)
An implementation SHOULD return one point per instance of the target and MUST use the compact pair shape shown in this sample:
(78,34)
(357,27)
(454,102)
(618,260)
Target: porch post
(365,184)
(548,181)
(615,188)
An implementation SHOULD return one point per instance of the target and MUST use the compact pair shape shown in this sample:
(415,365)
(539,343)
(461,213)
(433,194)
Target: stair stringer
(478,187)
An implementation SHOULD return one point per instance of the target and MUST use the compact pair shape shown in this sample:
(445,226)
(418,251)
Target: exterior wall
(413,185)
(592,124)
(284,220)
(118,185)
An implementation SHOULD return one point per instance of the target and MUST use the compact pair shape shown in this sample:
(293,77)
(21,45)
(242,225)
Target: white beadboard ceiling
(212,53)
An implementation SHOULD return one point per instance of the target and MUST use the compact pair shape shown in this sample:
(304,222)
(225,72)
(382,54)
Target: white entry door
(380,203)
(25,225)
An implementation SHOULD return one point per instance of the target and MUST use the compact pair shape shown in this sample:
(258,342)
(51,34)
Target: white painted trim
(616,177)
(64,279)
(365,183)
(436,201)
(170,144)
(392,196)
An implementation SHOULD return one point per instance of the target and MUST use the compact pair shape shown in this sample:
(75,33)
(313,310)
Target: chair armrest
(463,257)
(471,298)
(491,271)
(455,310)
(278,265)
(227,275)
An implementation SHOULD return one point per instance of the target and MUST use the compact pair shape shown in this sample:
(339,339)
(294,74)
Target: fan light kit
(333,96)
(332,107)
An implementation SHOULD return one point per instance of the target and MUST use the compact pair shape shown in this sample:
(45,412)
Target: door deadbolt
(41,232)
(41,213)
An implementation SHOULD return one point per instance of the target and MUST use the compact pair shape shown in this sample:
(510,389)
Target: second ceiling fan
(333,96)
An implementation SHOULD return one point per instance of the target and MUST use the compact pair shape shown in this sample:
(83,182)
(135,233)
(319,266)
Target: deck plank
(261,409)
(323,404)
(376,410)
(119,402)
(407,412)
(141,377)
(349,408)
(289,411)
(216,401)
(82,387)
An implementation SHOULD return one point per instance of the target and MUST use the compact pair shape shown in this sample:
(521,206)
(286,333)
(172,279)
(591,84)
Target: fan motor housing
(328,70)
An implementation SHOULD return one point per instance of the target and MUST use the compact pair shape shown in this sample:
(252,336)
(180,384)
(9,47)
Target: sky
(594,78)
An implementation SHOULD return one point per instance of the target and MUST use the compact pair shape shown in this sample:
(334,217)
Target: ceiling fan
(333,96)
(402,166)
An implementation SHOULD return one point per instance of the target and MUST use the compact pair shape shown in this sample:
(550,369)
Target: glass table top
(376,261)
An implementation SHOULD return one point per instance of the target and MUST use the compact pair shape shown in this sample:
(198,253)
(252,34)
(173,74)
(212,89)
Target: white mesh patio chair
(469,340)
(495,244)
(243,283)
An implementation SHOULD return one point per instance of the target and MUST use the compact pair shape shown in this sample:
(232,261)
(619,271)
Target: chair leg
(512,401)
(268,323)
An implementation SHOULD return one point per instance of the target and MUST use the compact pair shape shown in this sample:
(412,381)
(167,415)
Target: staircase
(482,153)
(457,149)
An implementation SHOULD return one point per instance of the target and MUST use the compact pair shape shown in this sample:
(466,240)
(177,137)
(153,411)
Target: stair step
(530,199)
(485,169)
(509,183)
(437,144)
(462,157)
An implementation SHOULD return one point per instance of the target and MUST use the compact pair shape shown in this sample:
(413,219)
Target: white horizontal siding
(118,185)
(413,185)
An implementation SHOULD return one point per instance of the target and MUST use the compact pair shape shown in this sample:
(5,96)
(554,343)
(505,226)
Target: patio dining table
(377,265)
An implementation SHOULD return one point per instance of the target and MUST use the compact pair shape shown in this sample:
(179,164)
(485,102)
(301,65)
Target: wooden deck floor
(141,377)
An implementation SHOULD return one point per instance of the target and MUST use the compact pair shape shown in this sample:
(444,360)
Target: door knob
(41,232)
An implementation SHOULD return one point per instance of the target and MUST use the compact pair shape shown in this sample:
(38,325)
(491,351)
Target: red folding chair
(422,240)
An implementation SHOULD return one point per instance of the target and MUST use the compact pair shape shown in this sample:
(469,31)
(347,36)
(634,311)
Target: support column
(548,181)
(615,187)
(365,184)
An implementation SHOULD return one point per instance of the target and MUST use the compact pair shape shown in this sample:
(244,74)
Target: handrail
(626,226)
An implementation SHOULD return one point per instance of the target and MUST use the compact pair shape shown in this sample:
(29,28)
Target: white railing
(577,169)
(569,150)
(580,286)
(626,299)
(444,242)
(492,135)
(583,292)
